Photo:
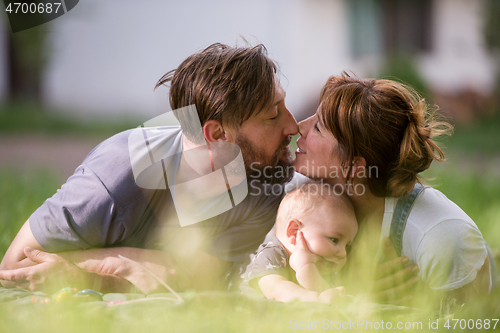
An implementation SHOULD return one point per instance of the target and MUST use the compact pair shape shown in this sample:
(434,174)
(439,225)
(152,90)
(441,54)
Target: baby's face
(329,233)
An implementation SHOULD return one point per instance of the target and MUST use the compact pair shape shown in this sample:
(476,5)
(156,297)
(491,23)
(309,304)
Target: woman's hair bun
(388,124)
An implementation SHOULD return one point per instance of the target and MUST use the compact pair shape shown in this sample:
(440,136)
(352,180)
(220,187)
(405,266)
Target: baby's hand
(332,294)
(301,256)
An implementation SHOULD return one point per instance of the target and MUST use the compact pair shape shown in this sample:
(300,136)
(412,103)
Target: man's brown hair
(385,122)
(227,84)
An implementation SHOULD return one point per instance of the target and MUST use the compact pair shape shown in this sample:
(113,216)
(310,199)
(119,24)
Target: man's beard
(266,169)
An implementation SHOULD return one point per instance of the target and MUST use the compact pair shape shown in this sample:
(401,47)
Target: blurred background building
(103,58)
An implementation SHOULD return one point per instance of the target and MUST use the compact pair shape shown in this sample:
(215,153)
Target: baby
(314,231)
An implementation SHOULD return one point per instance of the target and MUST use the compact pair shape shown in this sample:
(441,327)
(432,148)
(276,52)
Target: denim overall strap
(400,216)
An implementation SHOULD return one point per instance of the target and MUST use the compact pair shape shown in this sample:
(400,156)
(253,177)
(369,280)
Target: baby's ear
(292,229)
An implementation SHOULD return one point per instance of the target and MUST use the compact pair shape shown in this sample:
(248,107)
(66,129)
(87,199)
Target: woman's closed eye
(317,127)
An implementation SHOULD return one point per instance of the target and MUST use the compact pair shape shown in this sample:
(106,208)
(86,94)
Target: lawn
(466,179)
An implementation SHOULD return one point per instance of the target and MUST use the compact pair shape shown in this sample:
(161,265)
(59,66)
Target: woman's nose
(301,128)
(304,126)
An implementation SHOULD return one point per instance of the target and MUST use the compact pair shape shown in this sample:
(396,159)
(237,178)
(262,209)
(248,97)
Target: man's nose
(291,127)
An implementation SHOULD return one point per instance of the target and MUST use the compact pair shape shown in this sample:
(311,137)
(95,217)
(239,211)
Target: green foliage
(30,118)
(402,67)
(225,312)
(479,137)
(492,26)
(29,46)
(21,195)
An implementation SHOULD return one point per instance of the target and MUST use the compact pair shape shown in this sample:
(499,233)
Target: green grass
(30,118)
(474,190)
(479,137)
(20,195)
(217,312)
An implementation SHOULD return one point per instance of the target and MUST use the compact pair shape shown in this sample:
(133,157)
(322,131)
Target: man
(102,212)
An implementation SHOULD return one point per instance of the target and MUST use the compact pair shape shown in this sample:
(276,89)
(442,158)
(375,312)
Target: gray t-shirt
(100,205)
(270,258)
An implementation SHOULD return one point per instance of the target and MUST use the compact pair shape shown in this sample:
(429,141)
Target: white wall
(108,55)
(459,60)
(314,46)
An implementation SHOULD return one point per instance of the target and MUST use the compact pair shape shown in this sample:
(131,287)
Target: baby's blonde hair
(302,201)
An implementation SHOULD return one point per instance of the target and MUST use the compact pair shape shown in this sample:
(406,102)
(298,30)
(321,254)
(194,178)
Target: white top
(441,239)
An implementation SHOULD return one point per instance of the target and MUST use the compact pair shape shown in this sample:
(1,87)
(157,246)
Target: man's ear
(358,166)
(213,131)
(292,229)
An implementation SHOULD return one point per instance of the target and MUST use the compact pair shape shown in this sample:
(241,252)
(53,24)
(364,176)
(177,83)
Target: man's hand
(180,273)
(52,272)
(107,262)
(302,256)
(394,283)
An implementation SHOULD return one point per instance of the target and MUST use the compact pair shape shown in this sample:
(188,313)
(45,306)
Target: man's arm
(25,265)
(102,269)
(15,256)
(197,270)
(51,272)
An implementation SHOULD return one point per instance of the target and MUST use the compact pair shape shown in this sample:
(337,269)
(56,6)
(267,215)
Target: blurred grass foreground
(470,177)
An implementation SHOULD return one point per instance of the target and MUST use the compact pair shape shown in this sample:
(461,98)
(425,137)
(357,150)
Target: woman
(372,139)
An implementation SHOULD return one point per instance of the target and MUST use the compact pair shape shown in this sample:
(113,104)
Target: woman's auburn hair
(388,124)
